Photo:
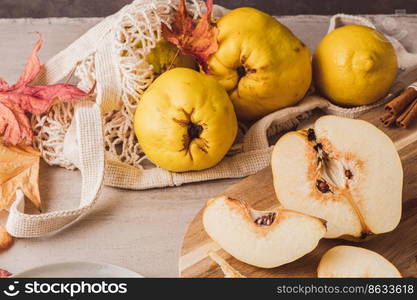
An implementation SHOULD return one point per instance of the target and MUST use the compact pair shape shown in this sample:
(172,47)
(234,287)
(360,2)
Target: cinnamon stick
(408,116)
(388,119)
(401,102)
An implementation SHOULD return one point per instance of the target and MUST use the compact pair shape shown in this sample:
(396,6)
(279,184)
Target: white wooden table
(140,230)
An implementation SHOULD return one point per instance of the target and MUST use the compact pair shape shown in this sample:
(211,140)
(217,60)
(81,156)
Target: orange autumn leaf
(19,169)
(196,40)
(21,99)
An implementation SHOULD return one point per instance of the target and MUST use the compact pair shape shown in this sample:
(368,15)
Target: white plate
(78,270)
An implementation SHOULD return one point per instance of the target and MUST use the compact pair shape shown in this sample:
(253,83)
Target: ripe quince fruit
(185,121)
(260,62)
(354,65)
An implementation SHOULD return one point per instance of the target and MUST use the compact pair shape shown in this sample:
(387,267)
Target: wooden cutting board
(399,246)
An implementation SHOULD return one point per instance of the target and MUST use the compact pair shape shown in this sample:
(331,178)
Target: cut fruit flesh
(228,270)
(344,171)
(349,261)
(263,239)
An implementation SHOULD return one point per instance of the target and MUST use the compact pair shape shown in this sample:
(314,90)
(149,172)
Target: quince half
(185,121)
(260,62)
(345,171)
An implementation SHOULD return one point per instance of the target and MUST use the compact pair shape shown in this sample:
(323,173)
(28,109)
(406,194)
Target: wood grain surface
(399,246)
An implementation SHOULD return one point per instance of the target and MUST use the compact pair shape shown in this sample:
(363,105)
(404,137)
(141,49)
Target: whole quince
(185,121)
(165,56)
(260,62)
(354,65)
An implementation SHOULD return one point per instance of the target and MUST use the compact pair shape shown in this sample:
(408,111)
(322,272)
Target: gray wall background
(97,8)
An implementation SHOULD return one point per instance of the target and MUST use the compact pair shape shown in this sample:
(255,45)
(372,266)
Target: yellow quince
(185,121)
(166,56)
(260,62)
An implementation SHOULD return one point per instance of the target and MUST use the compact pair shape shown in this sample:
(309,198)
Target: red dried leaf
(20,99)
(37,99)
(198,41)
(4,273)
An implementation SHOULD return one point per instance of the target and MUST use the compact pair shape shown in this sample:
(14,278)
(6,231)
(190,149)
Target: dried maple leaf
(19,169)
(4,273)
(6,240)
(21,98)
(198,41)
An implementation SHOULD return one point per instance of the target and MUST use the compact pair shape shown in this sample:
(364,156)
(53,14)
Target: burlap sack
(108,57)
